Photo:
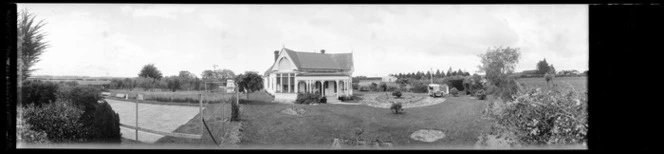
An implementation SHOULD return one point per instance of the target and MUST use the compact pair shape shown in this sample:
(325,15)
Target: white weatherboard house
(322,73)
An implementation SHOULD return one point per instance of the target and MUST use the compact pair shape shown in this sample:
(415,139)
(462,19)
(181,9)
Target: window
(278,82)
(292,82)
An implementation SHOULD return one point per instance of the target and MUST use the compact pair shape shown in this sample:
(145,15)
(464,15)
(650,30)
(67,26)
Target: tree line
(438,74)
(150,78)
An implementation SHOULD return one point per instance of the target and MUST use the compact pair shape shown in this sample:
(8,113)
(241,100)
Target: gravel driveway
(165,118)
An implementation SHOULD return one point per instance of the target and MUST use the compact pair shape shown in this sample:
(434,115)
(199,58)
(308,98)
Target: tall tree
(186,74)
(208,75)
(150,71)
(173,83)
(437,75)
(442,74)
(31,37)
(449,72)
(542,67)
(428,75)
(249,82)
(224,74)
(552,69)
(498,62)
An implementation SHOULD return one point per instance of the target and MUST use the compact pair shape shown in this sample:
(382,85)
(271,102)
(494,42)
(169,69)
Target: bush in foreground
(38,92)
(25,134)
(536,117)
(78,115)
(59,120)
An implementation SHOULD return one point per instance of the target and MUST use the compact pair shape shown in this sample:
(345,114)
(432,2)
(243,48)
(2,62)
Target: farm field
(579,83)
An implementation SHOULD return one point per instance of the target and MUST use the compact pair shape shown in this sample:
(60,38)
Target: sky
(117,40)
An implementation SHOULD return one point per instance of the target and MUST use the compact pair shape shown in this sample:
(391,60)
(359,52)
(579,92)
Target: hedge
(308,98)
(38,92)
(78,115)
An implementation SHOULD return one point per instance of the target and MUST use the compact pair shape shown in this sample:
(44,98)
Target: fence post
(137,121)
(200,113)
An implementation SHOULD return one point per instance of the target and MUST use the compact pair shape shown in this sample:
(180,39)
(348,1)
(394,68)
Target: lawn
(579,83)
(264,126)
(267,127)
(217,119)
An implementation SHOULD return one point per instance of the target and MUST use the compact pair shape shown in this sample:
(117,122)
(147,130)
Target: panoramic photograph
(232,76)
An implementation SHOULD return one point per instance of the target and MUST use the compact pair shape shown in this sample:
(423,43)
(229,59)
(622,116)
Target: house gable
(284,63)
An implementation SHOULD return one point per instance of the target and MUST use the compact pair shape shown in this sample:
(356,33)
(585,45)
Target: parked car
(436,90)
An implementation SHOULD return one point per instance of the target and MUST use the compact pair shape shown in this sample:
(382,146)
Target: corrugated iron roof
(312,61)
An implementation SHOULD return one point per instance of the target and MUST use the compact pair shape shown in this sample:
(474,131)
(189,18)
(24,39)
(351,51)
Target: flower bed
(408,100)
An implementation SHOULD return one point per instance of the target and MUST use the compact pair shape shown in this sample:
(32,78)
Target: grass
(458,117)
(266,127)
(216,117)
(579,83)
(178,96)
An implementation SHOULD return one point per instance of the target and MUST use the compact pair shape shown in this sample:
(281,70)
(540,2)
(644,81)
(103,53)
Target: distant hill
(67,78)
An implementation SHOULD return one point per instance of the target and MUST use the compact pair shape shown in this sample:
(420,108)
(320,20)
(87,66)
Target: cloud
(384,38)
(161,11)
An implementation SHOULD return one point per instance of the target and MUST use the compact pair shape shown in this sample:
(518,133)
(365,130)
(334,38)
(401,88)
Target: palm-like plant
(33,44)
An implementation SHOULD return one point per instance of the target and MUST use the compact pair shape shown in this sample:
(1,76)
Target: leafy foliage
(59,120)
(249,82)
(397,94)
(78,115)
(38,92)
(25,134)
(498,63)
(307,98)
(537,117)
(420,88)
(150,71)
(454,92)
(31,39)
(396,108)
(543,67)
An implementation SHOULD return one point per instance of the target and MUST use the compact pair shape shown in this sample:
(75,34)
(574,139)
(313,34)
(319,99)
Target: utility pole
(431,70)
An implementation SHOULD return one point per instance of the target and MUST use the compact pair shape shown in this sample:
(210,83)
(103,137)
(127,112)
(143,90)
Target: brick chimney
(322,51)
(276,55)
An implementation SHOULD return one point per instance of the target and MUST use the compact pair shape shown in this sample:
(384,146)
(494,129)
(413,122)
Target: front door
(330,88)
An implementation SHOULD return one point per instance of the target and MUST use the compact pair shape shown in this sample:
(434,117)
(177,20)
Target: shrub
(397,94)
(307,98)
(59,120)
(396,108)
(104,123)
(25,134)
(480,94)
(540,117)
(87,98)
(420,88)
(100,123)
(454,92)
(235,111)
(507,89)
(38,92)
(323,100)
